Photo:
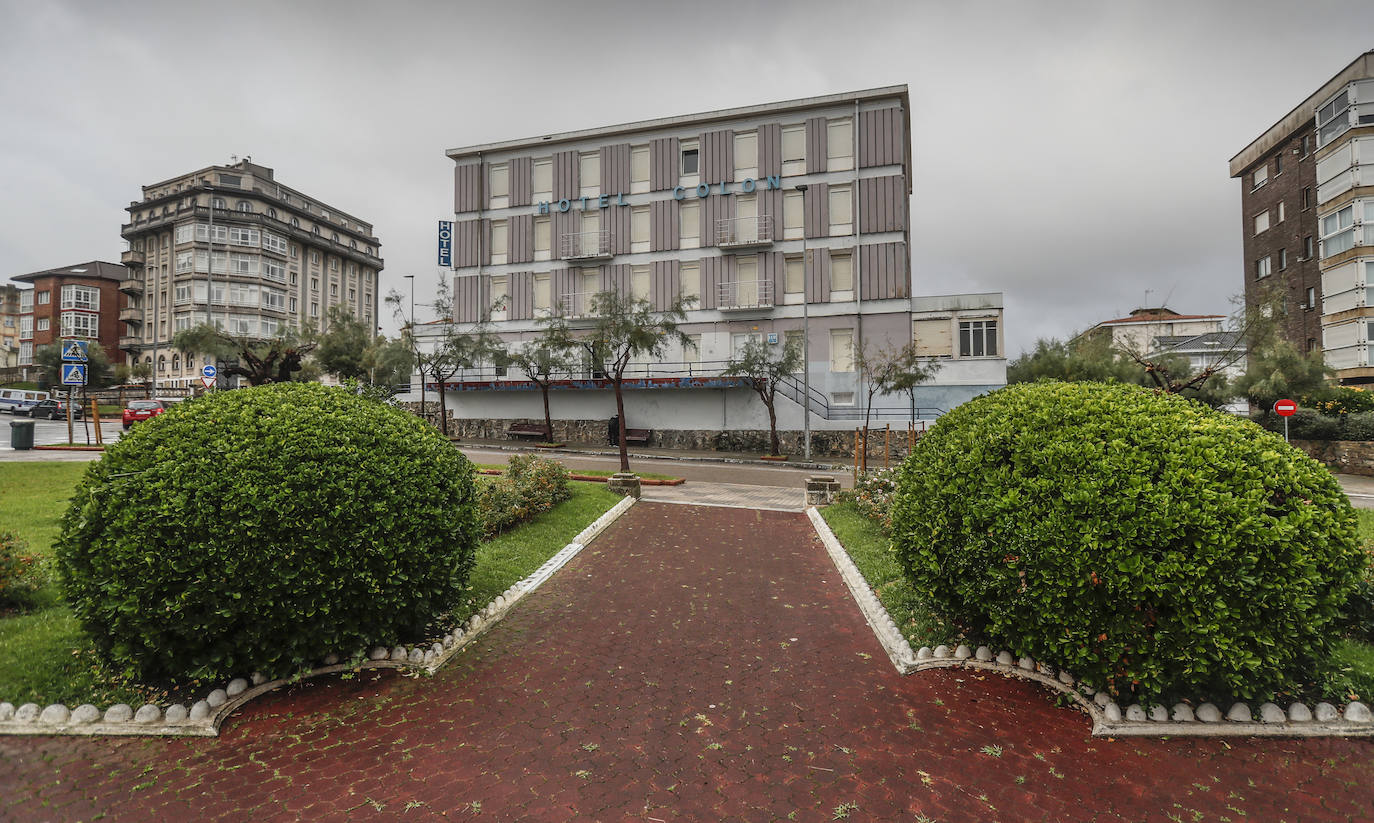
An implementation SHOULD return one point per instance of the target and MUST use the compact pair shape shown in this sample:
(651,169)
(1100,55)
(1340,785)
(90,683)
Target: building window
(293,306)
(1311,298)
(25,327)
(1333,118)
(543,180)
(1306,197)
(244,205)
(639,282)
(1278,164)
(639,229)
(44,324)
(639,169)
(543,295)
(314,309)
(499,242)
(689,225)
(1262,222)
(500,298)
(314,284)
(841,276)
(204,234)
(26,354)
(839,144)
(691,352)
(1283,212)
(1283,259)
(217,203)
(295,223)
(841,210)
(273,299)
(793,274)
(272,213)
(842,350)
(589,173)
(43,298)
(793,215)
(274,242)
(1307,247)
(498,184)
(1338,231)
(80,324)
(794,149)
(1306,144)
(1262,268)
(80,297)
(689,281)
(978,338)
(245,264)
(26,300)
(542,235)
(690,160)
(746,155)
(1260,177)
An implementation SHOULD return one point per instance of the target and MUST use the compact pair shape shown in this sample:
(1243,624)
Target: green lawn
(44,657)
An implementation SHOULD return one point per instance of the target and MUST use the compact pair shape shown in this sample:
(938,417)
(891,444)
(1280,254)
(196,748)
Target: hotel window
(747,281)
(1260,177)
(689,225)
(793,215)
(80,297)
(334,290)
(43,298)
(639,229)
(842,350)
(543,180)
(841,276)
(639,169)
(689,166)
(1262,268)
(499,185)
(543,295)
(542,234)
(80,324)
(978,338)
(1262,222)
(689,282)
(499,242)
(500,298)
(315,284)
(691,352)
(589,173)
(794,149)
(639,282)
(793,283)
(839,144)
(746,155)
(841,210)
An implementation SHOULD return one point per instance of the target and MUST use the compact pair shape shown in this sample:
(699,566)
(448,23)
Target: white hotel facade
(779,219)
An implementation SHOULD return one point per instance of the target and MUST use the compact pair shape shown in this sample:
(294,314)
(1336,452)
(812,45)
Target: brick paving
(692,664)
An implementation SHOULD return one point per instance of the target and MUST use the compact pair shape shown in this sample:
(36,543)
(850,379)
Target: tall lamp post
(806,336)
(414,346)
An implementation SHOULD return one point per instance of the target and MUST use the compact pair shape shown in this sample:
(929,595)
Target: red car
(142,410)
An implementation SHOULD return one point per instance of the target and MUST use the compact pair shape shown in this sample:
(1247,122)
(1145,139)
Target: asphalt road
(53,432)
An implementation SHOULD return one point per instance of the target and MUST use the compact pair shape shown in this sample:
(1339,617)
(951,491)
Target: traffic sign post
(74,351)
(1285,408)
(73,374)
(208,374)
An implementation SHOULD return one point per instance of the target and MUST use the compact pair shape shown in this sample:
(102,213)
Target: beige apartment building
(231,246)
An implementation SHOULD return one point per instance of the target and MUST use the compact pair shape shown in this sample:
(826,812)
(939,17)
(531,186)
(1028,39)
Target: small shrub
(1305,424)
(1151,545)
(530,486)
(21,573)
(260,529)
(1359,426)
(872,497)
(1341,401)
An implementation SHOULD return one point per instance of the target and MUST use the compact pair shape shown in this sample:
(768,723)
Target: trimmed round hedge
(260,529)
(1147,543)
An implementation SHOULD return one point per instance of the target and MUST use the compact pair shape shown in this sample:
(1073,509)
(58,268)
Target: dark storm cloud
(1070,155)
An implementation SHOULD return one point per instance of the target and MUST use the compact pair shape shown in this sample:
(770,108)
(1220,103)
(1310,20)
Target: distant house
(1138,330)
(1219,348)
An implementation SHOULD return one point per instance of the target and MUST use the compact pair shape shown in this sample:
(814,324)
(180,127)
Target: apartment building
(80,301)
(231,246)
(1307,208)
(9,325)
(775,220)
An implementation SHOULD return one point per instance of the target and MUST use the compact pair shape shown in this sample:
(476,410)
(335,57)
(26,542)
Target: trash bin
(613,430)
(21,434)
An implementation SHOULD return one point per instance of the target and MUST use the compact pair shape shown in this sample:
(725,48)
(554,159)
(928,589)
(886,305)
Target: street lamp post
(414,345)
(806,338)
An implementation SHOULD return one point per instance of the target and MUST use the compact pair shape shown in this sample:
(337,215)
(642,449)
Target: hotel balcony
(745,294)
(586,245)
(744,232)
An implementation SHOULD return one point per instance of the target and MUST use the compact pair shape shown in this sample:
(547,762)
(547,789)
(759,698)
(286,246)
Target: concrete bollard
(625,484)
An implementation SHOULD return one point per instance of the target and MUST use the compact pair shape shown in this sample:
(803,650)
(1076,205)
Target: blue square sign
(74,351)
(73,374)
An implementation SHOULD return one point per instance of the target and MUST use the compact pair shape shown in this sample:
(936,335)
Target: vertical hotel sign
(446,243)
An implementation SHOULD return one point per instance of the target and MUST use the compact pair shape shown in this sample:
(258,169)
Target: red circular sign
(1285,408)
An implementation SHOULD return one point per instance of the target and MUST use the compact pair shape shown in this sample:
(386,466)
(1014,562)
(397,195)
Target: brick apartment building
(81,301)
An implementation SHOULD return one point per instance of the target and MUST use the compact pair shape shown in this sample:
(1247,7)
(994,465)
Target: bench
(528,430)
(638,435)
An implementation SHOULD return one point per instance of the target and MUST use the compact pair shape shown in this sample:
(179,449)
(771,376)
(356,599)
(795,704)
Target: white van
(12,400)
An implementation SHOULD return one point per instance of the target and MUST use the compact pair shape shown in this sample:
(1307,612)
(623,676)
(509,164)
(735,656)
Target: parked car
(142,410)
(51,409)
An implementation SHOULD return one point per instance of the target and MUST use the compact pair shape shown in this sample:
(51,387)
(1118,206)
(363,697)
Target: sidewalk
(692,664)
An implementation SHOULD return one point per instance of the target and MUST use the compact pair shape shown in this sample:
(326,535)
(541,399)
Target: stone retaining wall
(1345,456)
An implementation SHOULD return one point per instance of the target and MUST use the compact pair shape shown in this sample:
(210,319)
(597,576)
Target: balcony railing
(131,285)
(585,245)
(744,232)
(131,257)
(745,294)
(130,342)
(576,304)
(131,315)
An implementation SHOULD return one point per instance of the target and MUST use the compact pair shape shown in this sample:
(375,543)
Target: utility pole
(806,336)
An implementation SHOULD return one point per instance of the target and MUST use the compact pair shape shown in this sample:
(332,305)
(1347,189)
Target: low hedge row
(530,485)
(1308,424)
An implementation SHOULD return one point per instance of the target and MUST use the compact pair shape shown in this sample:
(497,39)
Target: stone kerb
(203,718)
(1108,718)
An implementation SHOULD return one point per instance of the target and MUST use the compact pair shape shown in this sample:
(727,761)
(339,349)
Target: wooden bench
(528,430)
(638,435)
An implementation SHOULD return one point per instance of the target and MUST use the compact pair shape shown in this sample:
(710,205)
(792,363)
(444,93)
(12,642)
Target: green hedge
(1147,543)
(530,486)
(259,529)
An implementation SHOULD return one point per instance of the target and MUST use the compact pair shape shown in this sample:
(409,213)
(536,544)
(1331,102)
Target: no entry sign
(1285,408)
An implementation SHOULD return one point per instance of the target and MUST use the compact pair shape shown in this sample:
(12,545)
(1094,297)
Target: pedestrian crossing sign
(74,350)
(73,374)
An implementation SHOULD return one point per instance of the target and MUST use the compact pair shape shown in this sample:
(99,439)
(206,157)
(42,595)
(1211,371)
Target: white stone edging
(203,718)
(1109,719)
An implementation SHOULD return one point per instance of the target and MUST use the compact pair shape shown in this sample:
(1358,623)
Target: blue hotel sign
(702,191)
(446,243)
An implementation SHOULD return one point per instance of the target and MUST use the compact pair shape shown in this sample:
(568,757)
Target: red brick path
(692,664)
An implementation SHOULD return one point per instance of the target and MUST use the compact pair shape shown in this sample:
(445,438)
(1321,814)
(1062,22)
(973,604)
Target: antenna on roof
(233,158)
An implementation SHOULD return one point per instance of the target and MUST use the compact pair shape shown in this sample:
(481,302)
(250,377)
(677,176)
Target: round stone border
(203,718)
(1109,719)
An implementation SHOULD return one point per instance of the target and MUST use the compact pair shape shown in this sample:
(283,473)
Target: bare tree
(763,366)
(890,369)
(540,360)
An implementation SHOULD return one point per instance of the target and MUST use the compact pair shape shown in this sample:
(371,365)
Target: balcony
(131,315)
(576,304)
(745,294)
(131,257)
(131,285)
(744,232)
(130,343)
(585,245)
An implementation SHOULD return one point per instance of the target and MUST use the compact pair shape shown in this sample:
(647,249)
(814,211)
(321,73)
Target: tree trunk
(620,412)
(772,427)
(443,406)
(548,419)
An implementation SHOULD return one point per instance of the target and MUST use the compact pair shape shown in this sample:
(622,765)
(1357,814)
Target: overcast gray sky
(1071,155)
